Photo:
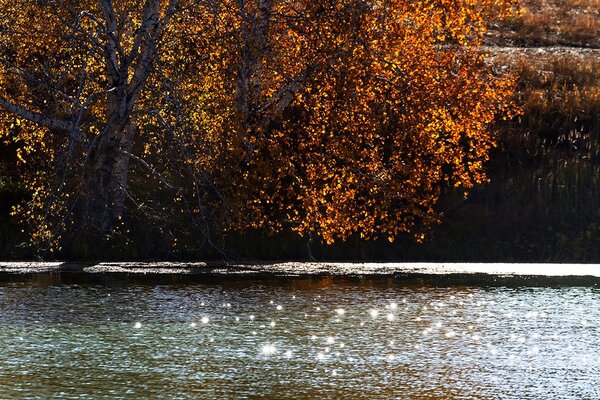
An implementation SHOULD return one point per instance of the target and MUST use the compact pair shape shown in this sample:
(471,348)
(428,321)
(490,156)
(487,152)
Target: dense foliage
(329,118)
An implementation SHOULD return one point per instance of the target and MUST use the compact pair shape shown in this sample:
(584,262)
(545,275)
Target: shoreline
(487,274)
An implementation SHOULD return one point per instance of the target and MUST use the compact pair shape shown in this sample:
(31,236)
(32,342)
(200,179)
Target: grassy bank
(543,203)
(550,23)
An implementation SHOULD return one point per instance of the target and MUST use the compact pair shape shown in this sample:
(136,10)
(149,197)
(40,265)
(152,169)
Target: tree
(86,85)
(379,107)
(332,118)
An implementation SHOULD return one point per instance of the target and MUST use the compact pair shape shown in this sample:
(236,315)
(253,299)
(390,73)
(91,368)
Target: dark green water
(291,339)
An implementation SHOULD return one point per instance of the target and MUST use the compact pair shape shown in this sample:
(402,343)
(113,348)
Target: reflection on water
(298,339)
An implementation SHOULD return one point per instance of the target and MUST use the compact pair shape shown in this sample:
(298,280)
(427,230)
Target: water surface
(298,338)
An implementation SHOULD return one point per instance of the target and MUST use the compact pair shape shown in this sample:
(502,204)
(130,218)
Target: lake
(295,337)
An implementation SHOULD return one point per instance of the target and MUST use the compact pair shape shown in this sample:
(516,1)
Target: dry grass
(544,199)
(559,90)
(552,22)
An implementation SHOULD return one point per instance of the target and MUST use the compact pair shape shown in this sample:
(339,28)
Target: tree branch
(147,166)
(112,45)
(148,50)
(34,117)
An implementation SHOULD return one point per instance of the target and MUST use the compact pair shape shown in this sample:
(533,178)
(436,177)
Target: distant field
(543,202)
(552,22)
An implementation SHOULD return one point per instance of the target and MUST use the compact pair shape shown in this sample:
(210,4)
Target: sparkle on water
(143,341)
(269,349)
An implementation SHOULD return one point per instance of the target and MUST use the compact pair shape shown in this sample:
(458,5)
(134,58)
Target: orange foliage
(398,107)
(332,118)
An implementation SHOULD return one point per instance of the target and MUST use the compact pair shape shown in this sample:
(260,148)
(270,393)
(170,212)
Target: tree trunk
(106,172)
(252,53)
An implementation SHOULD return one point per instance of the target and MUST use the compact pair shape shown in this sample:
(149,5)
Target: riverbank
(493,274)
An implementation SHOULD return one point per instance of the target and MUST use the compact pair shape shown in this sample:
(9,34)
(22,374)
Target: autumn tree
(359,114)
(87,88)
(330,118)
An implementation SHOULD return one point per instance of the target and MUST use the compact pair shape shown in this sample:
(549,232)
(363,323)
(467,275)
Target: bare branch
(147,166)
(112,44)
(283,97)
(146,27)
(34,117)
(147,52)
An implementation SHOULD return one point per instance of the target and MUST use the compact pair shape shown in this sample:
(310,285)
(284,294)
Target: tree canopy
(329,118)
